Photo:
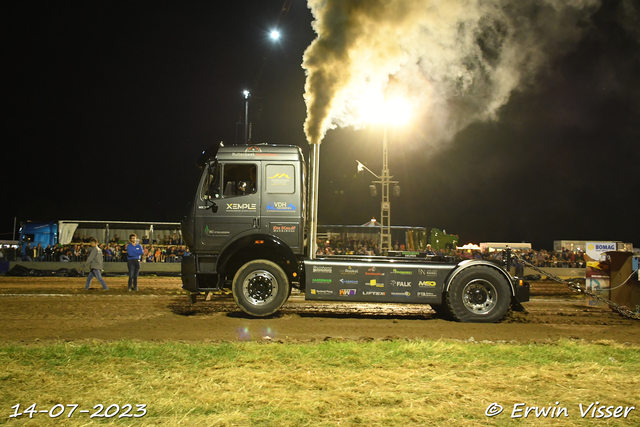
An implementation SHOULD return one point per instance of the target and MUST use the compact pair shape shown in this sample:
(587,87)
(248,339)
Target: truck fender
(261,243)
(475,262)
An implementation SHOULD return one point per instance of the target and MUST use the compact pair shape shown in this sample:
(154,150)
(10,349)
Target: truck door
(282,204)
(237,202)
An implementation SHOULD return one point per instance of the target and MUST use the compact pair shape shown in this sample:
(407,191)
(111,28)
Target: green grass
(379,383)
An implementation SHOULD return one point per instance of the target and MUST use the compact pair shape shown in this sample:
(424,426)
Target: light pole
(385,207)
(246,94)
(393,112)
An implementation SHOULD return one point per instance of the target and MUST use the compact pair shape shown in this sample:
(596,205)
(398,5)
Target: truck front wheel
(260,287)
(479,294)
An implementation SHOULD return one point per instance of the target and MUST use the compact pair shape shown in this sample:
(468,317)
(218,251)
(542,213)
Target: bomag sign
(596,249)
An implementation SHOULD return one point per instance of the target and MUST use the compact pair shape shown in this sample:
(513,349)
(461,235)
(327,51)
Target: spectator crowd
(169,248)
(541,258)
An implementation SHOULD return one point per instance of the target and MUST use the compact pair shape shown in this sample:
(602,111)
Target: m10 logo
(427,284)
(347,292)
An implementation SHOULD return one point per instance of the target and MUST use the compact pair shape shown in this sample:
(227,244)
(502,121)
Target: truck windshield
(210,187)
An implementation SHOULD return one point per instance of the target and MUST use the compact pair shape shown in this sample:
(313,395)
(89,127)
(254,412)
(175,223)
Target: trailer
(251,227)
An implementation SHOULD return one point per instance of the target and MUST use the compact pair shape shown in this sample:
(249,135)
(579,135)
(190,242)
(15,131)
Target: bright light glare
(374,109)
(246,94)
(397,111)
(274,34)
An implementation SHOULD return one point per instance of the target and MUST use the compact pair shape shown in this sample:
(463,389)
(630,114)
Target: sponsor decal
(603,247)
(373,272)
(317,280)
(427,272)
(426,295)
(427,283)
(402,272)
(280,207)
(400,284)
(400,294)
(280,179)
(217,233)
(375,284)
(322,269)
(347,292)
(279,176)
(251,152)
(241,207)
(321,292)
(283,228)
(349,270)
(348,282)
(373,293)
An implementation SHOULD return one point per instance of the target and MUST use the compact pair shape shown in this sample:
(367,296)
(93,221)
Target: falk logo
(400,284)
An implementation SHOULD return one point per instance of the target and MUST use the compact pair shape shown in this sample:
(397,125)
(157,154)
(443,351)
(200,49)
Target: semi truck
(251,228)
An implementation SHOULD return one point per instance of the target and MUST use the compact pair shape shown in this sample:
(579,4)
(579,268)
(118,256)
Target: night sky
(109,105)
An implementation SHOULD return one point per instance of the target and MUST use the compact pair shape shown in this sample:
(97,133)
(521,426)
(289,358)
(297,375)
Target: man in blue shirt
(134,252)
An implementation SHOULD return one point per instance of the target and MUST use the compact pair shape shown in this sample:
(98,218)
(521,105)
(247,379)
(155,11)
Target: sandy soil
(53,308)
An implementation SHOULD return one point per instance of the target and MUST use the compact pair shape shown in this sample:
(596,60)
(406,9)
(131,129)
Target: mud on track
(53,308)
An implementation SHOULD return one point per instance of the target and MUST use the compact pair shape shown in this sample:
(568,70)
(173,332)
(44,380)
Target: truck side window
(280,179)
(239,179)
(211,188)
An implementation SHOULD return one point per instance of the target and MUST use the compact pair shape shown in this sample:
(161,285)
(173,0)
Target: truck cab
(250,204)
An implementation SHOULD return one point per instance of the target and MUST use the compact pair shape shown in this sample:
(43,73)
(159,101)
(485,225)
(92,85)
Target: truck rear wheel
(260,287)
(479,294)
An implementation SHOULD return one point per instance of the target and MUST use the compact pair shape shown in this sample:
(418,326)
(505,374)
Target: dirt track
(45,308)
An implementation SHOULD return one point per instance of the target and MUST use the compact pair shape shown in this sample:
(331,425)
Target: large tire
(479,294)
(442,310)
(260,287)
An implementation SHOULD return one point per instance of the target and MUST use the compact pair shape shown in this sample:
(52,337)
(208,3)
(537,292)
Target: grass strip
(378,383)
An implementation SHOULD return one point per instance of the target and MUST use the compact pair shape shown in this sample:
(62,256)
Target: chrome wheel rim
(260,287)
(479,296)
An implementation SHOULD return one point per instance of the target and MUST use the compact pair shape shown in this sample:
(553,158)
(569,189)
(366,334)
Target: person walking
(134,252)
(94,263)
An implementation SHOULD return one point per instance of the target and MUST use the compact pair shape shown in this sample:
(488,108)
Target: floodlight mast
(385,208)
